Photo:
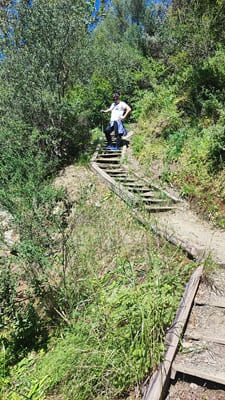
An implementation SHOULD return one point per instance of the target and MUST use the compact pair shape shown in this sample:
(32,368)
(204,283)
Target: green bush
(216,154)
(160,104)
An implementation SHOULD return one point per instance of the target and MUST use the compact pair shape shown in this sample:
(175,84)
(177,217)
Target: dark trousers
(108,131)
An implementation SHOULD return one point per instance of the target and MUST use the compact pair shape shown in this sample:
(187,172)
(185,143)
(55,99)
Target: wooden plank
(213,300)
(212,291)
(107,160)
(159,381)
(116,171)
(154,200)
(210,339)
(159,208)
(198,373)
(109,155)
(117,175)
(108,151)
(174,198)
(106,165)
(140,190)
(147,194)
(203,360)
(123,179)
(93,158)
(137,185)
(113,185)
(206,323)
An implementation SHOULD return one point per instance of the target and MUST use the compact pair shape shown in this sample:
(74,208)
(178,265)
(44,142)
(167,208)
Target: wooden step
(109,151)
(201,359)
(105,165)
(119,177)
(159,208)
(212,292)
(136,185)
(115,171)
(206,323)
(109,155)
(154,200)
(140,190)
(107,160)
(126,179)
(147,194)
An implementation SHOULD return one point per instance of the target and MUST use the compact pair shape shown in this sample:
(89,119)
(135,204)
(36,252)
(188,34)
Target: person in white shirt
(119,111)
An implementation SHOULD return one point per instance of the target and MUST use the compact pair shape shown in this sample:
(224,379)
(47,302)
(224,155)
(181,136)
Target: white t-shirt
(117,110)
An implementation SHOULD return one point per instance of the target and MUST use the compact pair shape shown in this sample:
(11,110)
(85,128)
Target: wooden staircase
(108,164)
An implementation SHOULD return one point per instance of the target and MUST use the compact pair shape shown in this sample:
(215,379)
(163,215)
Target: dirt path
(187,225)
(190,228)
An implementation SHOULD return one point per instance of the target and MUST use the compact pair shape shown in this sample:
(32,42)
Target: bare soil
(184,390)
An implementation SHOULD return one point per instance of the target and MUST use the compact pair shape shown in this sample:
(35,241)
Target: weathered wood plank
(197,336)
(159,208)
(109,155)
(106,165)
(95,155)
(115,186)
(147,194)
(137,185)
(154,186)
(116,171)
(154,200)
(118,176)
(109,151)
(140,190)
(206,323)
(213,301)
(203,360)
(159,380)
(212,291)
(107,160)
(125,178)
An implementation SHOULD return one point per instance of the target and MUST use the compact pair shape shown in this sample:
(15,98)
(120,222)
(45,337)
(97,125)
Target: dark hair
(117,95)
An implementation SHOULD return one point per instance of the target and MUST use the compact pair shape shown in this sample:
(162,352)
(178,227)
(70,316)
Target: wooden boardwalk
(199,326)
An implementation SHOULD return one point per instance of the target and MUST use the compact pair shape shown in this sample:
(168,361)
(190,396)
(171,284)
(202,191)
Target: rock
(193,386)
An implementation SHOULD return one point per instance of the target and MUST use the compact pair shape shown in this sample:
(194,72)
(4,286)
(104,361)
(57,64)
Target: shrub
(160,104)
(216,154)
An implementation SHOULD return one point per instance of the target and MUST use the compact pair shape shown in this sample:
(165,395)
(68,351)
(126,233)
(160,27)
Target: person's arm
(106,111)
(128,110)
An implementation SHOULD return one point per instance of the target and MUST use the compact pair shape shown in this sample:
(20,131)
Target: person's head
(116,96)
